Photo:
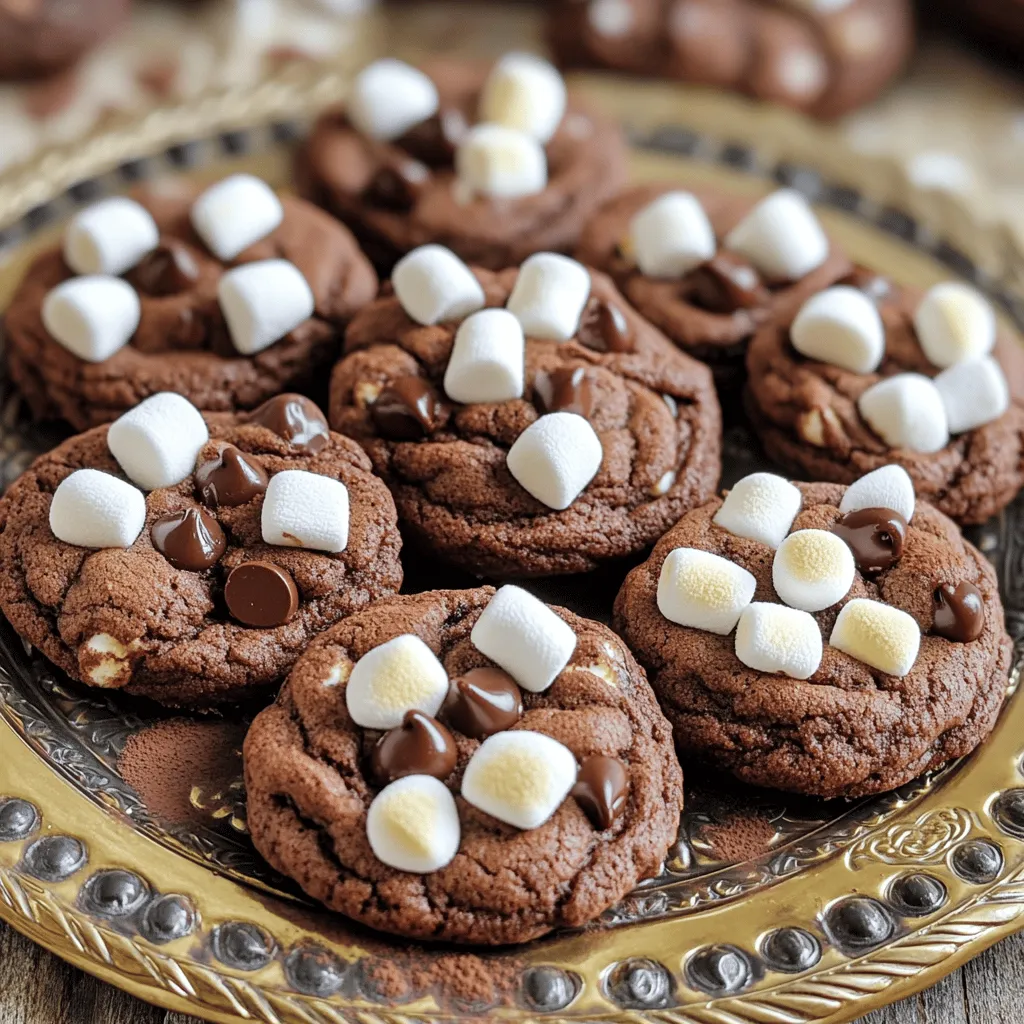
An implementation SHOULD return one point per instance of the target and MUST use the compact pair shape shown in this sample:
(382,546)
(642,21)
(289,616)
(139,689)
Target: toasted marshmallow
(881,636)
(262,302)
(96,510)
(906,411)
(555,458)
(703,591)
(549,296)
(840,326)
(433,285)
(887,487)
(92,317)
(774,638)
(500,162)
(306,510)
(487,360)
(813,569)
(109,237)
(974,393)
(760,507)
(954,323)
(389,97)
(672,235)
(413,825)
(527,93)
(236,213)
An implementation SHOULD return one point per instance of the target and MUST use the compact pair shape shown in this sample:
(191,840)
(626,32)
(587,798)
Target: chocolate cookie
(192,594)
(488,809)
(495,196)
(821,58)
(173,333)
(869,641)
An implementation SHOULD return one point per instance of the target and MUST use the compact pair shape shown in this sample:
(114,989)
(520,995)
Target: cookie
(257,532)
(526,180)
(767,674)
(939,392)
(588,449)
(418,827)
(821,57)
(180,317)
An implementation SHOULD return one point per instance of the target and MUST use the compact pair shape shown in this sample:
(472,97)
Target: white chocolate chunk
(501,162)
(549,296)
(487,360)
(92,317)
(906,411)
(813,569)
(236,213)
(524,92)
(398,676)
(389,97)
(555,458)
(774,638)
(881,636)
(672,235)
(157,442)
(761,507)
(262,302)
(519,777)
(433,285)
(413,825)
(840,326)
(306,510)
(974,393)
(522,635)
(954,323)
(92,509)
(886,487)
(703,591)
(109,237)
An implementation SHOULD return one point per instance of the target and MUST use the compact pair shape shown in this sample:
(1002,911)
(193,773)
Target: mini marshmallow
(906,411)
(398,676)
(519,777)
(413,825)
(703,591)
(109,237)
(887,487)
(774,638)
(92,317)
(549,296)
(781,236)
(306,510)
(525,637)
(262,302)
(813,569)
(157,442)
(974,393)
(527,93)
(389,97)
(96,510)
(760,507)
(496,161)
(235,213)
(881,636)
(555,458)
(840,326)
(954,323)
(487,360)
(432,285)
(672,235)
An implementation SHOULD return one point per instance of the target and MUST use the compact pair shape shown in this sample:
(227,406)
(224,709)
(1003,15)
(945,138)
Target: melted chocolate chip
(191,540)
(567,389)
(874,286)
(168,270)
(419,746)
(435,140)
(261,594)
(604,328)
(602,790)
(482,702)
(398,184)
(726,283)
(875,536)
(406,410)
(959,612)
(231,478)
(295,418)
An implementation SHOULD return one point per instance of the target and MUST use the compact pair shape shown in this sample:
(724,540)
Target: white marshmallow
(519,777)
(399,676)
(881,636)
(781,236)
(887,487)
(524,92)
(555,458)
(157,442)
(840,326)
(109,237)
(92,317)
(703,591)
(487,360)
(496,161)
(433,284)
(389,97)
(760,507)
(774,638)
(235,213)
(974,393)
(813,569)
(525,637)
(413,825)
(906,411)
(672,235)
(549,296)
(262,302)
(96,510)
(306,510)
(954,323)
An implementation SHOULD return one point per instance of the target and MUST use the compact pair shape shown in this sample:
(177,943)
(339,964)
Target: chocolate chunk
(875,286)
(419,746)
(602,790)
(567,389)
(482,702)
(261,594)
(875,536)
(191,540)
(604,328)
(726,283)
(295,418)
(232,478)
(406,410)
(168,270)
(959,612)
(397,185)
(435,140)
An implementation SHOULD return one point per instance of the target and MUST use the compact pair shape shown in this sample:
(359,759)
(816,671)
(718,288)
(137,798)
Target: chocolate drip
(567,389)
(168,270)
(295,418)
(876,537)
(406,410)
(482,702)
(604,328)
(959,612)
(261,594)
(192,540)
(419,746)
(725,284)
(435,140)
(231,478)
(602,790)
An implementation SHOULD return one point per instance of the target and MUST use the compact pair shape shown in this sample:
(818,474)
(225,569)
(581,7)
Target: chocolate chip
(604,328)
(406,410)
(168,270)
(567,389)
(295,418)
(875,536)
(419,746)
(482,702)
(726,283)
(959,612)
(602,790)
(397,185)
(191,540)
(231,478)
(261,594)
(435,140)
